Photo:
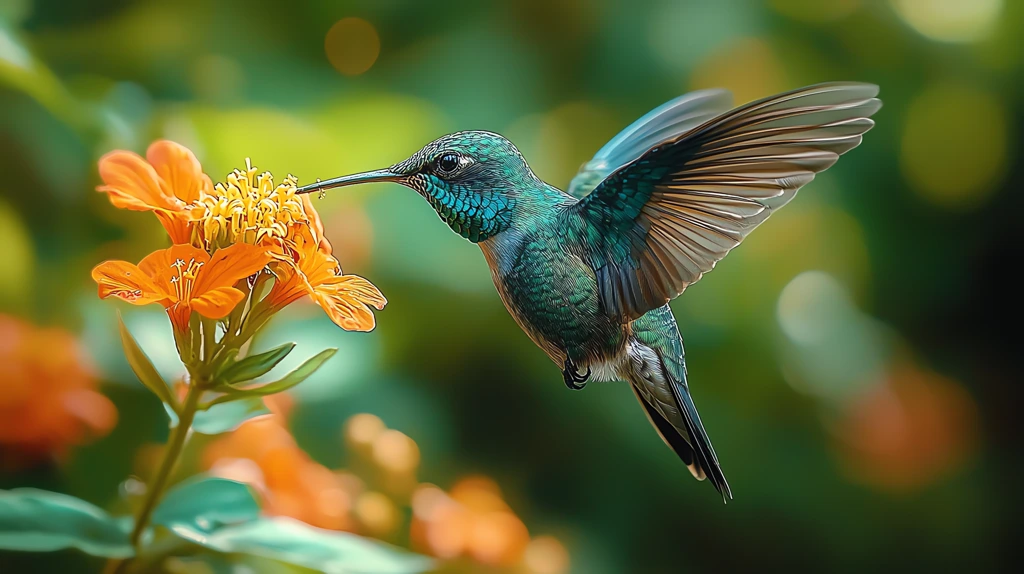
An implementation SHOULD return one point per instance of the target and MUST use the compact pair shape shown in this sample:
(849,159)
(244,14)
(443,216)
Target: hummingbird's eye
(447,163)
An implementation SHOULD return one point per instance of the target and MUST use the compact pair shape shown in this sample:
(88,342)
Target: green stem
(251,323)
(175,445)
(239,317)
(209,338)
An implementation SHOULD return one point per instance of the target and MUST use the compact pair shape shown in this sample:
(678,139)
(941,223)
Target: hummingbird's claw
(572,385)
(571,376)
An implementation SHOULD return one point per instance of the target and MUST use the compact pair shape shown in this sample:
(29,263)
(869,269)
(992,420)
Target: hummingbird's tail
(659,383)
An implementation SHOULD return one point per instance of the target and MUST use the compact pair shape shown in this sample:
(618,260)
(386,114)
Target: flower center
(247,208)
(185,278)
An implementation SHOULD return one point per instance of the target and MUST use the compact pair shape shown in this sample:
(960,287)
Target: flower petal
(288,287)
(230,264)
(217,303)
(360,289)
(317,265)
(177,224)
(180,315)
(347,300)
(131,183)
(127,282)
(160,265)
(316,225)
(179,169)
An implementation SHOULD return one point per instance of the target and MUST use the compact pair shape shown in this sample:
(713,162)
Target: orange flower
(166,182)
(316,225)
(48,396)
(264,454)
(248,208)
(472,520)
(183,278)
(313,271)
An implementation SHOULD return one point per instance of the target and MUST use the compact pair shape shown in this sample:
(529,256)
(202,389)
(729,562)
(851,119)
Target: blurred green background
(856,361)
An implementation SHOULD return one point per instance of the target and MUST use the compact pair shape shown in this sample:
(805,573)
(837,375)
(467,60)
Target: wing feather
(659,222)
(663,123)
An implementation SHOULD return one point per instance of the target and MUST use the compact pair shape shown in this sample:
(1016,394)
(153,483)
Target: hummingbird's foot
(571,375)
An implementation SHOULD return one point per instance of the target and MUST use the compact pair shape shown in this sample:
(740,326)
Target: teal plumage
(588,274)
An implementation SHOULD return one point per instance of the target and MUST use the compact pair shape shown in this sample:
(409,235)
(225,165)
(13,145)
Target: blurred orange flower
(183,278)
(48,396)
(472,520)
(166,182)
(264,454)
(908,431)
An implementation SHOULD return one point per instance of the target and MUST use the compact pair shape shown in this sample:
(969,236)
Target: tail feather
(658,379)
(671,436)
(706,457)
(690,443)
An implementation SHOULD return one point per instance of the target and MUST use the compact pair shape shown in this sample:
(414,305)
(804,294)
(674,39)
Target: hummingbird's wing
(659,223)
(666,122)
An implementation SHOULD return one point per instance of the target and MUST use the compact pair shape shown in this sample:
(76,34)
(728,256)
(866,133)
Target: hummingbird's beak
(356,178)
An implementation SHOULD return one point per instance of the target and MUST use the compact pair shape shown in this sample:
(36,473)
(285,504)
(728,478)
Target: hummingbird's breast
(552,294)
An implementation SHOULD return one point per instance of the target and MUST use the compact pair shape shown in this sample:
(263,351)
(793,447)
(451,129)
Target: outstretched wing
(659,223)
(666,122)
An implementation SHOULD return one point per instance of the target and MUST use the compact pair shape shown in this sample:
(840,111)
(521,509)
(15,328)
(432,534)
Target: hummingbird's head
(472,180)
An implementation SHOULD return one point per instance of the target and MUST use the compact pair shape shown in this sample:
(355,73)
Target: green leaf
(226,362)
(142,366)
(203,504)
(229,415)
(41,521)
(329,551)
(255,366)
(301,373)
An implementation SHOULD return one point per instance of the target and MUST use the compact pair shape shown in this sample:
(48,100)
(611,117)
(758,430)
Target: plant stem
(175,445)
(209,339)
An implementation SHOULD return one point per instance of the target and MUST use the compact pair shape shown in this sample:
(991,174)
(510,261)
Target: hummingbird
(588,273)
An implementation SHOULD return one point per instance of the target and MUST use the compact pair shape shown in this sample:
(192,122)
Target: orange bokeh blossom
(227,238)
(49,400)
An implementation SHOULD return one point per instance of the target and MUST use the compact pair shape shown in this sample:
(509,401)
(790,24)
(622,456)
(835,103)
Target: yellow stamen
(185,278)
(248,207)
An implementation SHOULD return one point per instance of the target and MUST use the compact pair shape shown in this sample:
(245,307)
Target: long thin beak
(356,178)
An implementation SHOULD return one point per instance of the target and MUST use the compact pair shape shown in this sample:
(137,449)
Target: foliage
(213,285)
(855,361)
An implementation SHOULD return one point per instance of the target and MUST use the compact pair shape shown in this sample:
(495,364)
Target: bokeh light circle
(954,146)
(377,513)
(19,259)
(950,20)
(396,452)
(364,428)
(546,555)
(811,306)
(748,67)
(352,46)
